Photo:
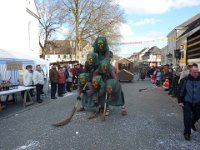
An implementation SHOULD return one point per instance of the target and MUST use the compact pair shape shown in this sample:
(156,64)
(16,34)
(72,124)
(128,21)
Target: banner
(143,42)
(14,65)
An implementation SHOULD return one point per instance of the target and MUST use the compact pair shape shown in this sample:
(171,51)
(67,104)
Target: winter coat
(158,76)
(27,78)
(38,78)
(61,77)
(53,75)
(189,90)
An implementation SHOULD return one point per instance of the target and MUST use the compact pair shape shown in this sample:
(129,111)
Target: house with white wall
(19,27)
(64,50)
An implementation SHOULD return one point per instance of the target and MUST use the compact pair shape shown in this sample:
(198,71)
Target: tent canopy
(9,56)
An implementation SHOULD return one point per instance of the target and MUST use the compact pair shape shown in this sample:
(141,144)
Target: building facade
(64,50)
(20,27)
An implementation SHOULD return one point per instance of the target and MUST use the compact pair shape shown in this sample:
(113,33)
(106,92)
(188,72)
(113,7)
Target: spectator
(28,80)
(61,82)
(38,80)
(69,80)
(158,77)
(189,100)
(185,72)
(53,75)
(66,73)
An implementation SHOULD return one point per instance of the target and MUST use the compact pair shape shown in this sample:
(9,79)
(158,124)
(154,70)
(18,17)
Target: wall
(14,28)
(172,45)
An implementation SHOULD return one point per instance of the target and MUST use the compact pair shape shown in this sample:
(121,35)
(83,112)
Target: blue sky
(153,19)
(148,20)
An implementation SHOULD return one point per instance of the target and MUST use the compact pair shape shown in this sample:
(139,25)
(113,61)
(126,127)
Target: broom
(104,110)
(67,120)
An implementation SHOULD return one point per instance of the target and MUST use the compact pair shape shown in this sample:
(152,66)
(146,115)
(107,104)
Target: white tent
(7,56)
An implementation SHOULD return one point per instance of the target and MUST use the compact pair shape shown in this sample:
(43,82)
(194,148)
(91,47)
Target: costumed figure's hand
(78,98)
(109,98)
(83,91)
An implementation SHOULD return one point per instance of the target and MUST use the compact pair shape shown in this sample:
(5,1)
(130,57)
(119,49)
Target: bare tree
(52,16)
(90,18)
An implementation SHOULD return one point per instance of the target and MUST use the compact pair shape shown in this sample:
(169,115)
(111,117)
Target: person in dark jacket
(189,100)
(53,74)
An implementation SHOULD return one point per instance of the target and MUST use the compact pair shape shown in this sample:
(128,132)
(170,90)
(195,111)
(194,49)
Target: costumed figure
(115,94)
(101,48)
(107,71)
(92,63)
(86,99)
(99,91)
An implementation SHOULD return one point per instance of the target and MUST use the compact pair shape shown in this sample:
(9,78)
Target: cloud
(148,39)
(145,21)
(128,34)
(125,29)
(154,6)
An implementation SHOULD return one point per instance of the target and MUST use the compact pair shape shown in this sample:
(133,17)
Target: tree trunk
(77,31)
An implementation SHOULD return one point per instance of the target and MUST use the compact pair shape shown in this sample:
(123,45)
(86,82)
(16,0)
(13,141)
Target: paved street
(154,122)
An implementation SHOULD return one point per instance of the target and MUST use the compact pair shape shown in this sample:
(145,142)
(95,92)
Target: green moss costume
(87,100)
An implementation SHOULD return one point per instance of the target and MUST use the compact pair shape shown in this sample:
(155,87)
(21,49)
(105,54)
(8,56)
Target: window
(124,66)
(29,34)
(65,56)
(58,56)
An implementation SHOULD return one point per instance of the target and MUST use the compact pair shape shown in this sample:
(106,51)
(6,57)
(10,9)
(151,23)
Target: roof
(186,23)
(192,26)
(125,59)
(189,21)
(142,50)
(153,50)
(62,46)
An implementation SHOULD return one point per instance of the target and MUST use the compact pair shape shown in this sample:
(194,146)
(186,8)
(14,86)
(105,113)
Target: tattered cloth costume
(106,70)
(101,48)
(92,63)
(114,92)
(87,100)
(99,89)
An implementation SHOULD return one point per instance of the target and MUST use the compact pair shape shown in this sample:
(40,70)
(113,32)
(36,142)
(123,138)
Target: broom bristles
(66,121)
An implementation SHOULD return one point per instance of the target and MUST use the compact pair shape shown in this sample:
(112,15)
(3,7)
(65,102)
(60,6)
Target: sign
(14,65)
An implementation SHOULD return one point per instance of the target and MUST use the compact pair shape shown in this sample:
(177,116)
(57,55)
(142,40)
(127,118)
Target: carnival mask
(100,44)
(90,60)
(109,90)
(82,80)
(104,68)
(95,84)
